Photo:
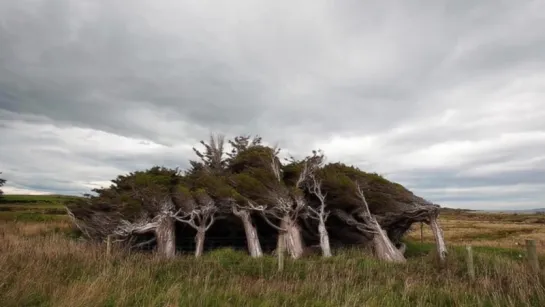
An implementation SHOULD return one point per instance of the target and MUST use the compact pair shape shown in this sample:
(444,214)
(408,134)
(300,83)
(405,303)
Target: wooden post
(470,264)
(421,232)
(280,252)
(532,255)
(108,245)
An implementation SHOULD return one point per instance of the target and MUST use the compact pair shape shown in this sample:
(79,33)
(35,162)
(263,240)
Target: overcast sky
(444,97)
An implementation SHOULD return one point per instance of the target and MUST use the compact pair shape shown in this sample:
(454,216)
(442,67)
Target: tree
(259,188)
(303,201)
(212,158)
(2,182)
(383,246)
(321,214)
(213,163)
(138,203)
(201,216)
(260,179)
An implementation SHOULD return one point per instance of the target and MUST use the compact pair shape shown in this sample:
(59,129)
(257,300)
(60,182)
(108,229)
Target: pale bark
(324,239)
(321,215)
(439,239)
(254,246)
(402,248)
(201,219)
(166,237)
(199,239)
(291,235)
(383,246)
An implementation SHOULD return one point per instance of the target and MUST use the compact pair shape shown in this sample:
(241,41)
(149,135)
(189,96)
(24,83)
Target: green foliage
(381,194)
(217,186)
(250,187)
(255,157)
(341,189)
(250,172)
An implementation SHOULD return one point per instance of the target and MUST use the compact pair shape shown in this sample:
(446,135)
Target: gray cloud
(437,96)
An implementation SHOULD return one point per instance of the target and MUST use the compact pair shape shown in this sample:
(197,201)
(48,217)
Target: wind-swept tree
(258,178)
(320,213)
(348,203)
(200,216)
(334,202)
(394,207)
(241,143)
(213,157)
(298,175)
(138,203)
(216,179)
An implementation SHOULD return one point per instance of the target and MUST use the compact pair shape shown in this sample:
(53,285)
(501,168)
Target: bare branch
(264,211)
(201,217)
(303,175)
(275,166)
(210,223)
(144,243)
(75,222)
(271,223)
(127,228)
(188,219)
(359,191)
(350,220)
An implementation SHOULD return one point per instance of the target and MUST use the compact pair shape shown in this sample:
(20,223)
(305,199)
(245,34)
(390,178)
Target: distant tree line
(295,202)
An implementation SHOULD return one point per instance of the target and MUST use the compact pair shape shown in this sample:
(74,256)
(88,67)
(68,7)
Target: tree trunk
(324,239)
(254,247)
(292,237)
(199,239)
(384,248)
(439,239)
(166,237)
(402,248)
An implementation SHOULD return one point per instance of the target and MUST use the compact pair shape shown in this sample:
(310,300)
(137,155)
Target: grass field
(507,231)
(42,264)
(36,208)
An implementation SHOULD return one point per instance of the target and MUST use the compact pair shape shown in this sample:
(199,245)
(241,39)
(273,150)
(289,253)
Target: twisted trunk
(291,235)
(166,238)
(254,247)
(402,248)
(439,239)
(384,248)
(324,239)
(199,240)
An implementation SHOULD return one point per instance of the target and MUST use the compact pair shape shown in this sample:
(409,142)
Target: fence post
(280,252)
(421,232)
(108,245)
(470,263)
(532,255)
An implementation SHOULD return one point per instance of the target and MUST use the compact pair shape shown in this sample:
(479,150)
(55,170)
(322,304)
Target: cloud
(441,97)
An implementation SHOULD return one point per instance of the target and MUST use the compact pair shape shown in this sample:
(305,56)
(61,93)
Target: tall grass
(41,266)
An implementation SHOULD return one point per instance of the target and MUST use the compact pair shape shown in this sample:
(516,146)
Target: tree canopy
(251,182)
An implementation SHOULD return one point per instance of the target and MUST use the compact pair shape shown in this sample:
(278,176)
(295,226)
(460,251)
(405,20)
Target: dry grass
(494,230)
(42,266)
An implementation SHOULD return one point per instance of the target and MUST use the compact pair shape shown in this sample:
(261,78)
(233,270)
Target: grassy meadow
(43,264)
